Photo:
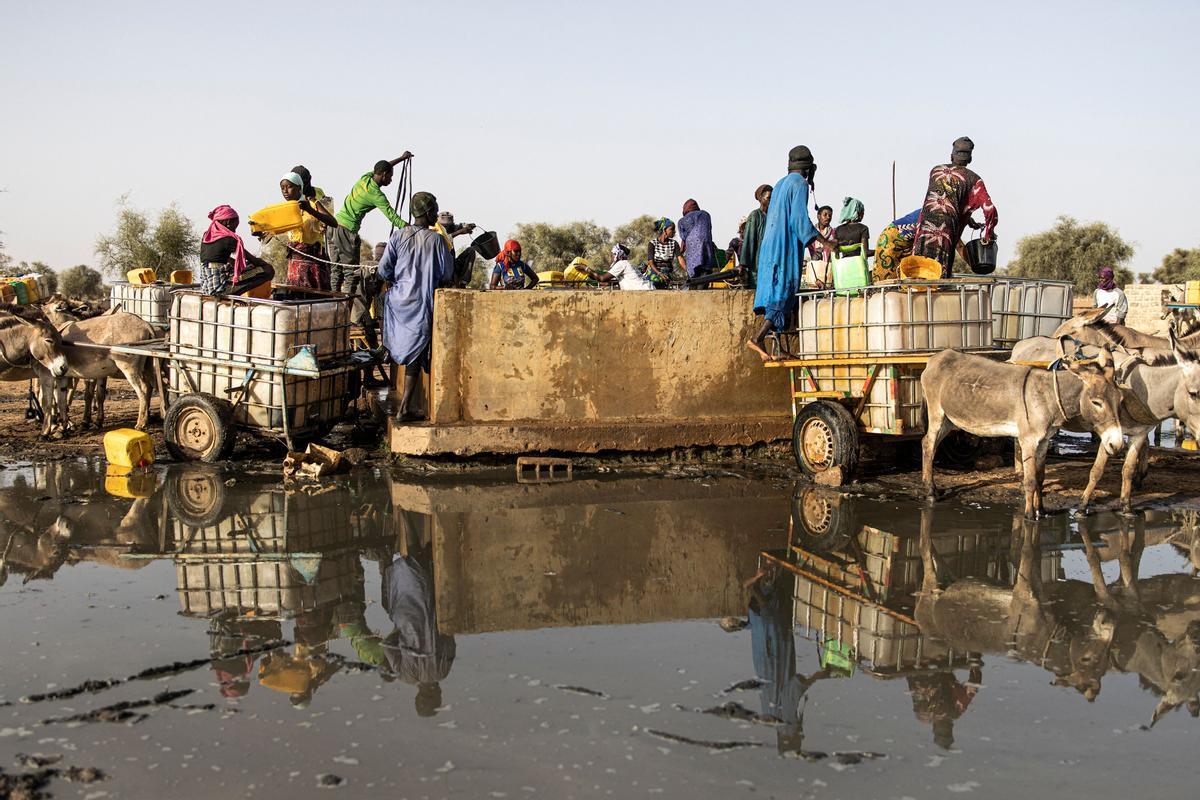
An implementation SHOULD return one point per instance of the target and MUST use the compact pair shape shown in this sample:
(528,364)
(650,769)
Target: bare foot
(763,354)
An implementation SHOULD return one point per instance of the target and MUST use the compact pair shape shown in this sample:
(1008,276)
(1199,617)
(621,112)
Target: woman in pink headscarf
(225,266)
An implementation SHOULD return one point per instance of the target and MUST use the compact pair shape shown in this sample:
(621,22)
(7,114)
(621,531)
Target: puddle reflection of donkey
(975,615)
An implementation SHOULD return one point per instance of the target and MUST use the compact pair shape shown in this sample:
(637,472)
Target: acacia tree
(553,247)
(1178,266)
(82,282)
(1071,251)
(166,243)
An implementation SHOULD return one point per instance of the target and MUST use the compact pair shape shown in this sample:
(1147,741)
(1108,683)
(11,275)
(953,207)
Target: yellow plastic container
(260,292)
(126,447)
(31,288)
(141,277)
(1193,293)
(129,482)
(548,276)
(279,218)
(920,268)
(183,276)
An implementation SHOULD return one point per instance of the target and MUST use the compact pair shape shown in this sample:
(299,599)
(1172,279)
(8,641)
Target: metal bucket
(982,257)
(487,245)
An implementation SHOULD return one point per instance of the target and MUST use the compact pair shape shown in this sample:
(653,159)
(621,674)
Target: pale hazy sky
(524,111)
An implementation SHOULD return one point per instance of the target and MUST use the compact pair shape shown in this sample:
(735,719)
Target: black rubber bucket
(982,257)
(487,245)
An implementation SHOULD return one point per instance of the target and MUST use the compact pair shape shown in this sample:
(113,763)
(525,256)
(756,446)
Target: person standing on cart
(415,262)
(788,232)
(954,193)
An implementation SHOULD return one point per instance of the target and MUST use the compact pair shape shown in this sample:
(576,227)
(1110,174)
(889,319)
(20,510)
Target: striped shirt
(362,198)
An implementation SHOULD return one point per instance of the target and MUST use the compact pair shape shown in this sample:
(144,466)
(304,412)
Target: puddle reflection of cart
(239,363)
(855,358)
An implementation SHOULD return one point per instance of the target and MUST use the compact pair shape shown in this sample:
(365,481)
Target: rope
(1058,396)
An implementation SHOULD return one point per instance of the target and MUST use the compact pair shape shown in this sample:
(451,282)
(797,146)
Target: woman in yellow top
(306,244)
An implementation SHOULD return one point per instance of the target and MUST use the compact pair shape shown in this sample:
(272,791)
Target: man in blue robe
(415,263)
(789,230)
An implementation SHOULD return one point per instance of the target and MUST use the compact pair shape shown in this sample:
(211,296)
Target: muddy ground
(1173,476)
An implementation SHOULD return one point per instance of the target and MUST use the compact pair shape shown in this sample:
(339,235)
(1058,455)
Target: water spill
(203,633)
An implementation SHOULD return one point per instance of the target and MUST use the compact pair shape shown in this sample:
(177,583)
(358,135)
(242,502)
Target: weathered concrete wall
(586,370)
(593,552)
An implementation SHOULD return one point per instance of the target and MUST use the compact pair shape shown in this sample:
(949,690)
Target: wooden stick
(893,189)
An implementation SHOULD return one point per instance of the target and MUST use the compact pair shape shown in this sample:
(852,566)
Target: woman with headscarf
(695,228)
(225,266)
(894,245)
(954,193)
(306,244)
(1110,295)
(621,272)
(752,235)
(663,255)
(851,235)
(510,271)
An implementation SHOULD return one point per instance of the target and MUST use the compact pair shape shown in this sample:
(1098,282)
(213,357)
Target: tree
(39,268)
(553,247)
(1178,266)
(164,245)
(82,282)
(1071,251)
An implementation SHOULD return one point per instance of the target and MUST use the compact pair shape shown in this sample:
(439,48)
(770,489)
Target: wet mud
(679,629)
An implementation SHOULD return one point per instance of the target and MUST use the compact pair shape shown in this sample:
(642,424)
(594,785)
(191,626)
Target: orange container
(261,292)
(7,294)
(183,276)
(920,268)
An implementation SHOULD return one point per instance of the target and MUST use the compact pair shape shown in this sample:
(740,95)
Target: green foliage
(553,247)
(167,243)
(1071,251)
(1178,266)
(38,268)
(81,282)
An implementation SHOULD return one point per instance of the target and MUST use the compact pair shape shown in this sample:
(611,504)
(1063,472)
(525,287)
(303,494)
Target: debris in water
(721,746)
(732,710)
(328,780)
(748,685)
(36,761)
(733,624)
(123,712)
(581,690)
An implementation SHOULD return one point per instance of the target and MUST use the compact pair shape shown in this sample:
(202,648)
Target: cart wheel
(195,495)
(959,450)
(199,427)
(823,520)
(825,436)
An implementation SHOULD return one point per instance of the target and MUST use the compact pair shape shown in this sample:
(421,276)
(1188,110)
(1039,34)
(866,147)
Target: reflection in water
(923,602)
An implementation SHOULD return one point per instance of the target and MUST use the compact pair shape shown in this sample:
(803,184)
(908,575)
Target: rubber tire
(219,414)
(841,429)
(195,494)
(822,520)
(959,449)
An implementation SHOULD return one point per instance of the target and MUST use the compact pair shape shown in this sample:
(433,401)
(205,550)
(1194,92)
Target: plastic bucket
(487,245)
(982,257)
(920,268)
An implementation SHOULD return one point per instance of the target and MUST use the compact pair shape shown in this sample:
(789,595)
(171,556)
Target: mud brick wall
(1145,306)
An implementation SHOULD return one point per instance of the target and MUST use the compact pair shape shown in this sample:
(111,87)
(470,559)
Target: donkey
(1032,621)
(30,347)
(988,398)
(97,366)
(1152,389)
(1090,328)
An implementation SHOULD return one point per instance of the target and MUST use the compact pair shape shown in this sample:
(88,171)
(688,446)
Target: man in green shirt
(345,274)
(345,242)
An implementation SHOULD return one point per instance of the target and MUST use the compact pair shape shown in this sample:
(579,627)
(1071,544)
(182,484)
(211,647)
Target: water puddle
(201,633)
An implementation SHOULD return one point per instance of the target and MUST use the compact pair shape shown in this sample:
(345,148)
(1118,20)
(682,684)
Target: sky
(556,111)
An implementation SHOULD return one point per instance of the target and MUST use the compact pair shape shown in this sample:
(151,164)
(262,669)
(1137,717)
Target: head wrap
(960,151)
(1107,279)
(690,206)
(218,231)
(799,157)
(662,223)
(620,251)
(296,179)
(507,255)
(422,204)
(852,210)
(758,193)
